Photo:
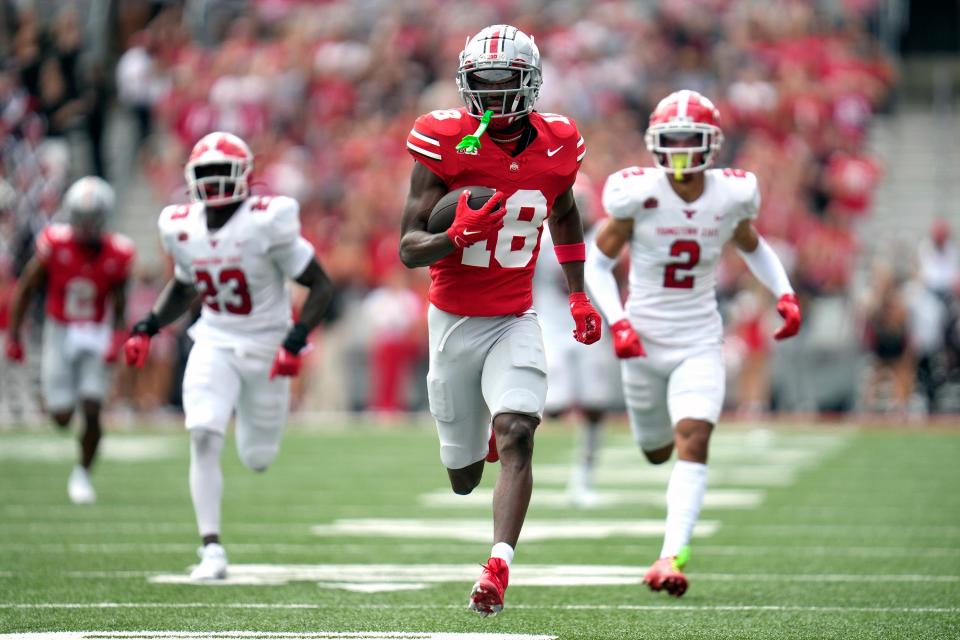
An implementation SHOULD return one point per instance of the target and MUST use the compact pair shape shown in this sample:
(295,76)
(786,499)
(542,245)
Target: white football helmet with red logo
(89,203)
(497,54)
(218,170)
(685,126)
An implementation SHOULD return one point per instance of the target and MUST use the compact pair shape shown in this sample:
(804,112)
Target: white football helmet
(218,170)
(88,203)
(497,54)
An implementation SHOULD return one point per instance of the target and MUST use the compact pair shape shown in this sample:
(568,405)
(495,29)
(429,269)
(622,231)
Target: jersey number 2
(689,250)
(526,211)
(233,283)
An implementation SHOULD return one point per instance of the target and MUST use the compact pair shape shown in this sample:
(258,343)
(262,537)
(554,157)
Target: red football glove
(789,309)
(14,350)
(116,343)
(473,225)
(586,318)
(626,342)
(136,349)
(285,364)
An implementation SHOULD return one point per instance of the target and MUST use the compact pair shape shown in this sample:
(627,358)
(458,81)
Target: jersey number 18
(526,211)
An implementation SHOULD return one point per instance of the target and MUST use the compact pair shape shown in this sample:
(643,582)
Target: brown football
(446,210)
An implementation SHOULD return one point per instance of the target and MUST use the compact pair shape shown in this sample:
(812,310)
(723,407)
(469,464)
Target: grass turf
(882,505)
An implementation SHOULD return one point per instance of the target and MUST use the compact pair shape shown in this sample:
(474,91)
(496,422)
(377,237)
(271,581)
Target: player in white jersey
(234,251)
(676,218)
(581,379)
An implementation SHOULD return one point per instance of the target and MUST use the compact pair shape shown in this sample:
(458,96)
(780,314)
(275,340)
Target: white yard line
(645,474)
(480,498)
(568,607)
(854,529)
(389,577)
(481,530)
(124,449)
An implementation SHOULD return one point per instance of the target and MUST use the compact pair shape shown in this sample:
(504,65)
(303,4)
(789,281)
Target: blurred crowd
(325,93)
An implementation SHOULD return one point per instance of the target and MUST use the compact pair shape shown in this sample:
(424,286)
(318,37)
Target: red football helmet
(684,127)
(218,170)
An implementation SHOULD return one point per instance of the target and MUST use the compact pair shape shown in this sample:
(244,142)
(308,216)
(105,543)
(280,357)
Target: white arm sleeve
(598,272)
(766,266)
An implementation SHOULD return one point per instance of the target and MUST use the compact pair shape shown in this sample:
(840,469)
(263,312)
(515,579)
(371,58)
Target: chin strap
(471,144)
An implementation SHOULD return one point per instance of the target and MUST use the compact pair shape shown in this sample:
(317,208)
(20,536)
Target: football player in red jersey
(487,366)
(235,251)
(80,265)
(677,218)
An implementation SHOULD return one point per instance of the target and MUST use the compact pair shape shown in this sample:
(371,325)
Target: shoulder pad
(738,178)
(53,235)
(434,138)
(270,208)
(563,128)
(442,123)
(278,216)
(172,215)
(57,233)
(628,192)
(742,183)
(743,189)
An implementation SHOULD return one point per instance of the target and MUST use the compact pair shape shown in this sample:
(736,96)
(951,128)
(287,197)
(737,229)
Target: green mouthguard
(471,144)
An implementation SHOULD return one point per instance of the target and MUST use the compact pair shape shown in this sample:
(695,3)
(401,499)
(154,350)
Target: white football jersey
(675,248)
(240,269)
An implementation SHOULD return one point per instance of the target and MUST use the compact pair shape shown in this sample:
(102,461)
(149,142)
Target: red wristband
(570,252)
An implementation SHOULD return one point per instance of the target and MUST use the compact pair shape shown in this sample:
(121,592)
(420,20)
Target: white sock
(503,551)
(590,446)
(206,479)
(688,483)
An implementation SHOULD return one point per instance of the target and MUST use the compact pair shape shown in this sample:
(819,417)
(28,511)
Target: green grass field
(808,533)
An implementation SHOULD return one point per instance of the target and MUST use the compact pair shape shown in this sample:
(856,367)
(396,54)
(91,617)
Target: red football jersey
(495,278)
(78,280)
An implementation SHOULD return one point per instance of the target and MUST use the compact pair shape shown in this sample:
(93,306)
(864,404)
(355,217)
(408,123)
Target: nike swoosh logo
(470,233)
(553,152)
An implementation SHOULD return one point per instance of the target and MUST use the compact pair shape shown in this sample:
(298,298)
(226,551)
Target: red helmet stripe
(199,150)
(494,42)
(229,148)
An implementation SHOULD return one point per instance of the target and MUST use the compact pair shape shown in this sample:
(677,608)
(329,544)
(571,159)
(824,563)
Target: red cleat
(492,454)
(665,574)
(487,595)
